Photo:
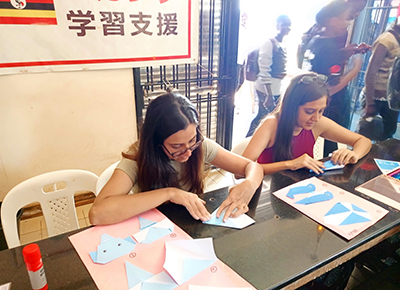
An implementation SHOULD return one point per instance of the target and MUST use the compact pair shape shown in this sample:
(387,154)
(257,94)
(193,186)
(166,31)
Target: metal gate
(372,22)
(210,84)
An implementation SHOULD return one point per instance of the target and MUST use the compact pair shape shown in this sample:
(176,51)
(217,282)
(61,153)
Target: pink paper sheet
(149,257)
(318,210)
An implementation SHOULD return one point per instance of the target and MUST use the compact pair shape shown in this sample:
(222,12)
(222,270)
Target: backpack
(305,39)
(393,84)
(251,67)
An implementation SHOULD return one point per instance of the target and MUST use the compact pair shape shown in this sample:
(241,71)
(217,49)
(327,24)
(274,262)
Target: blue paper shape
(356,208)
(237,223)
(136,275)
(192,267)
(354,218)
(145,223)
(329,166)
(337,208)
(154,234)
(148,281)
(341,215)
(387,164)
(300,190)
(111,248)
(154,231)
(327,195)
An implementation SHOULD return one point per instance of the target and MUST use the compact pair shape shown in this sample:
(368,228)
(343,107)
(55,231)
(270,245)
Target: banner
(59,35)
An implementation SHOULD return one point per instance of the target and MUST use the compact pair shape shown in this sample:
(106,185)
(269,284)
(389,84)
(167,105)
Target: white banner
(57,35)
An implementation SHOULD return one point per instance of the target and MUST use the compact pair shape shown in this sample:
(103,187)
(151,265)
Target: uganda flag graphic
(27,12)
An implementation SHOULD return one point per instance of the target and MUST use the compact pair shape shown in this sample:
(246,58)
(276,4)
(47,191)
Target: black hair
(166,115)
(296,95)
(334,8)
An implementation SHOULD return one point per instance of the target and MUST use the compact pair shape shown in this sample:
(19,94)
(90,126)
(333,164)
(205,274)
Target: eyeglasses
(309,79)
(183,151)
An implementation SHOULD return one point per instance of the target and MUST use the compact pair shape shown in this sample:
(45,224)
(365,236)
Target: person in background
(326,54)
(167,164)
(272,65)
(384,51)
(356,7)
(286,138)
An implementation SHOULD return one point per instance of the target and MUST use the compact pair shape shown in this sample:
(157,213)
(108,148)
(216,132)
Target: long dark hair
(296,95)
(166,115)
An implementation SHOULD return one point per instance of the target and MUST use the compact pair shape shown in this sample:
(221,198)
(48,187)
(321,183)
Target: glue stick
(34,264)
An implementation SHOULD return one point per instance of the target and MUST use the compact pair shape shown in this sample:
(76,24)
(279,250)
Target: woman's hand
(192,202)
(344,156)
(237,202)
(306,161)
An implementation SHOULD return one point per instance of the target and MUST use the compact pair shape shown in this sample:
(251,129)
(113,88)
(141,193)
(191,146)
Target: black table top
(281,247)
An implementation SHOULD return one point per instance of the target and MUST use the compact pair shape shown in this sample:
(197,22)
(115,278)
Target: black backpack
(305,40)
(251,67)
(393,84)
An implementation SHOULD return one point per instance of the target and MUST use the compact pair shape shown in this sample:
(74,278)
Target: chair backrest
(319,148)
(55,192)
(239,147)
(105,176)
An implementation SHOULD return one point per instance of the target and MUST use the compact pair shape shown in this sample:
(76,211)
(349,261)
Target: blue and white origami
(237,222)
(345,213)
(386,165)
(300,190)
(111,248)
(184,259)
(139,279)
(151,231)
(317,197)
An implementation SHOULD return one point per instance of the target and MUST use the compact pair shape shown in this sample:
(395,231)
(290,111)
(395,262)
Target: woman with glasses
(286,138)
(167,164)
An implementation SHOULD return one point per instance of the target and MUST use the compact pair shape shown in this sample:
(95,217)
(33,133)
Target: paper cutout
(139,279)
(349,228)
(153,231)
(344,213)
(386,165)
(319,197)
(186,258)
(238,222)
(145,223)
(330,166)
(300,190)
(6,286)
(198,287)
(111,248)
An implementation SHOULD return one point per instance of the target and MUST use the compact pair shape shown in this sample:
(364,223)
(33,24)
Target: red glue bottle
(34,264)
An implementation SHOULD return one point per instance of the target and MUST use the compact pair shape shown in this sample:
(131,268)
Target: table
(283,249)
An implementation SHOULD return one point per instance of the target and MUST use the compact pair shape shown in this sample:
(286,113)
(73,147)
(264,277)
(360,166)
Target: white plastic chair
(105,176)
(319,148)
(55,192)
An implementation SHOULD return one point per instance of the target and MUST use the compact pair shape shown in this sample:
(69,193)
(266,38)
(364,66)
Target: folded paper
(330,166)
(111,248)
(185,259)
(139,279)
(332,207)
(152,231)
(238,222)
(318,197)
(344,213)
(387,165)
(300,190)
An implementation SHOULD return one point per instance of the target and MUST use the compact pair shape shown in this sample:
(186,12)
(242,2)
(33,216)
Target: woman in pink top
(286,137)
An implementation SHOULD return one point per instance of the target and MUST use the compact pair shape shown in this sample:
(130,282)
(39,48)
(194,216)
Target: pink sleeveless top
(302,143)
